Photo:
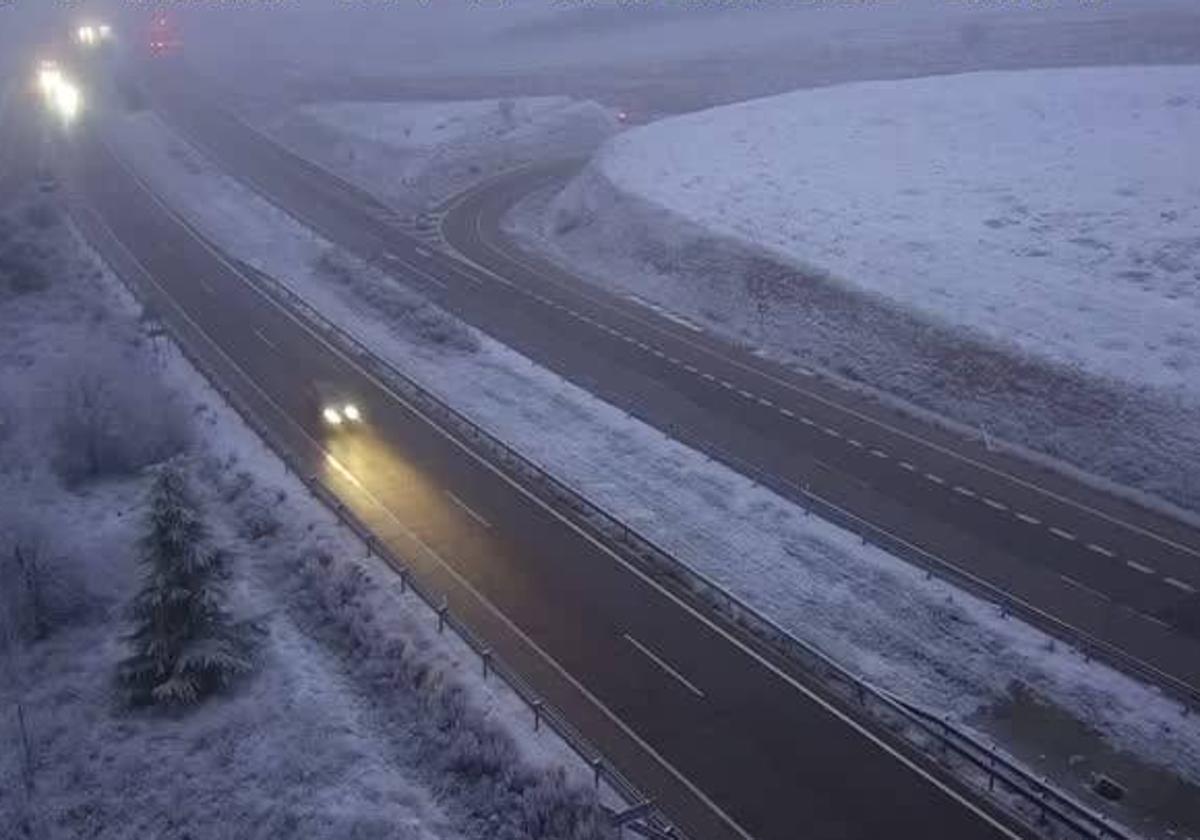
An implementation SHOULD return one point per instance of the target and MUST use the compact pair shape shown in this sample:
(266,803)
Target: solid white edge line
(699,794)
(466,584)
(1000,473)
(737,643)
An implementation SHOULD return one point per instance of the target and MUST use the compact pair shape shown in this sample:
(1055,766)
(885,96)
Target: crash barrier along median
(640,816)
(988,771)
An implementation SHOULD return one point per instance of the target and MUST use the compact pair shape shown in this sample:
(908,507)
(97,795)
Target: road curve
(729,745)
(1080,562)
(1118,571)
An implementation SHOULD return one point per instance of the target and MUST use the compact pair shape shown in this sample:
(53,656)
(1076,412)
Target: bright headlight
(49,78)
(67,100)
(331,416)
(351,412)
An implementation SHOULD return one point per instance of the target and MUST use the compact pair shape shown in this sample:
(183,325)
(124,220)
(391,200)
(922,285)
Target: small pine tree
(185,644)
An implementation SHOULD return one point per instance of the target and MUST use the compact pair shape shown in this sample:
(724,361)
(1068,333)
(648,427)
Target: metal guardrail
(649,821)
(1017,790)
(1029,798)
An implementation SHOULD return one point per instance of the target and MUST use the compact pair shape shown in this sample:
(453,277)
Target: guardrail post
(403,581)
(992,769)
(597,765)
(862,696)
(537,714)
(370,541)
(485,656)
(441,614)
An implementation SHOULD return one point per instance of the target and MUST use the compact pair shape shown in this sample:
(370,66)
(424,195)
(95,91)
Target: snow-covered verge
(414,154)
(1015,249)
(877,615)
(360,721)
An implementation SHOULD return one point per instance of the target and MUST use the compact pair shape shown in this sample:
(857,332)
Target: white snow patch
(1053,210)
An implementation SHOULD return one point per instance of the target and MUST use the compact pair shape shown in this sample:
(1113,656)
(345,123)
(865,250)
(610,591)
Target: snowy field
(983,275)
(1053,211)
(414,154)
(360,718)
(877,615)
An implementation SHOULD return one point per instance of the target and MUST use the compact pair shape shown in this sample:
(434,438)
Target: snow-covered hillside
(1056,210)
(1013,251)
(413,154)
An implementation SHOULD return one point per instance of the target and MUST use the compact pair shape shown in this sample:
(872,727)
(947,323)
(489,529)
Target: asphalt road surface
(1077,559)
(729,745)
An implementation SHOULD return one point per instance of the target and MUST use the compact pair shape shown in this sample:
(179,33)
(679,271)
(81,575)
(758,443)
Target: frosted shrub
(112,417)
(185,644)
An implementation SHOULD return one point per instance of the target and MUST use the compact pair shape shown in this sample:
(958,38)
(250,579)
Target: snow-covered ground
(358,709)
(879,616)
(1012,250)
(1054,211)
(414,154)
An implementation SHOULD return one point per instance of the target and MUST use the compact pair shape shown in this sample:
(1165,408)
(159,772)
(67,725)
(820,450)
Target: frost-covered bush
(475,766)
(402,308)
(111,416)
(185,643)
(39,592)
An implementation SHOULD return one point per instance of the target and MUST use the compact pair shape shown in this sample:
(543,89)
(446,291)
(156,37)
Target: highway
(728,744)
(1074,558)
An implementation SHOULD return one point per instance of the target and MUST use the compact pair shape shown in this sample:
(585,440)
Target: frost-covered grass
(877,615)
(360,720)
(414,154)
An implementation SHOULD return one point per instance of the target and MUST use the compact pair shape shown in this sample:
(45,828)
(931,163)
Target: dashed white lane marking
(1061,534)
(658,660)
(964,491)
(855,443)
(745,394)
(936,479)
(831,432)
(787,412)
(422,252)
(725,383)
(390,257)
(807,421)
(690,368)
(766,402)
(1140,567)
(654,351)
(992,503)
(264,339)
(1099,549)
(878,453)
(204,285)
(1180,585)
(1031,520)
(708,376)
(1083,586)
(672,359)
(469,511)
(1155,620)
(905,465)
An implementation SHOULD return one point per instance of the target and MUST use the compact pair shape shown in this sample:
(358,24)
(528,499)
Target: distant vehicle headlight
(86,35)
(67,100)
(350,411)
(105,31)
(332,417)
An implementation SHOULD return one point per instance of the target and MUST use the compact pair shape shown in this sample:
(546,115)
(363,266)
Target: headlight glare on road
(332,416)
(86,35)
(350,410)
